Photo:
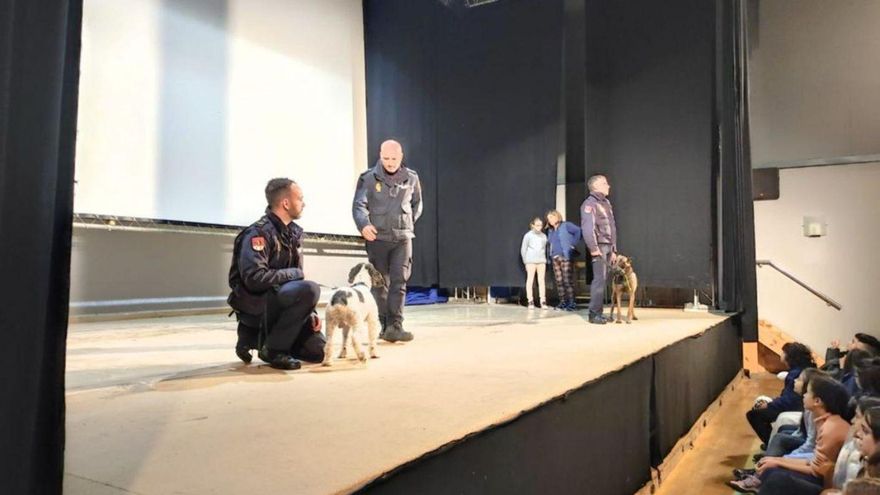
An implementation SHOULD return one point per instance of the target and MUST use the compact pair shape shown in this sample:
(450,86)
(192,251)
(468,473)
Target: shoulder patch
(588,209)
(258,243)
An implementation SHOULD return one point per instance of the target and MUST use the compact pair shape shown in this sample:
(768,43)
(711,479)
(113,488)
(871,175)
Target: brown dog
(623,281)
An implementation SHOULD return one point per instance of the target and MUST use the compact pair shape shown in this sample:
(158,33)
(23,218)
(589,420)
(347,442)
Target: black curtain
(402,46)
(649,107)
(737,284)
(474,94)
(593,439)
(39,71)
(681,393)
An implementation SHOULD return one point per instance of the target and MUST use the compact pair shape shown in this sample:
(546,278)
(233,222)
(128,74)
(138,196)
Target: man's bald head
(391,155)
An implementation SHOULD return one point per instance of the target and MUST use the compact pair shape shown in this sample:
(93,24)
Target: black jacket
(265,255)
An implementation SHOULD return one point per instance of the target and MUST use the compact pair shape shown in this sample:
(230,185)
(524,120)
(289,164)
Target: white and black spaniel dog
(351,308)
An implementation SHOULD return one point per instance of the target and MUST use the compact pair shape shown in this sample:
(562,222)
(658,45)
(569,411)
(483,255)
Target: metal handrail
(831,302)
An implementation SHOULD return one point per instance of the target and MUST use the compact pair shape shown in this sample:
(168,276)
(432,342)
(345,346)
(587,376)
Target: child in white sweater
(534,257)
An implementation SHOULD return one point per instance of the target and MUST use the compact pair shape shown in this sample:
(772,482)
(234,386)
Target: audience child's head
(803,380)
(554,218)
(854,358)
(867,374)
(863,404)
(868,431)
(536,224)
(862,486)
(865,342)
(827,395)
(797,355)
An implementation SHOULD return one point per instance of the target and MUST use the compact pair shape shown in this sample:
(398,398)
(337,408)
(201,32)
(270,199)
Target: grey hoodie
(534,247)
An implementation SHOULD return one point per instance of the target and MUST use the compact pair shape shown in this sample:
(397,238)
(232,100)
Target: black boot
(383,321)
(396,333)
(247,340)
(279,360)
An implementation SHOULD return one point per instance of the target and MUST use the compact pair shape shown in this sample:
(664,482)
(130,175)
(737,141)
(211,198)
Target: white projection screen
(188,107)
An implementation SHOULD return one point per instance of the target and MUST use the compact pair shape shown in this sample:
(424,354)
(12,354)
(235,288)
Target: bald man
(387,203)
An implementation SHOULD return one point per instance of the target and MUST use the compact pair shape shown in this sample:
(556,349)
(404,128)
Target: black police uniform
(600,235)
(268,291)
(392,203)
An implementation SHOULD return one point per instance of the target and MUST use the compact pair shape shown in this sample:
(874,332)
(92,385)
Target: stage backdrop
(649,108)
(474,95)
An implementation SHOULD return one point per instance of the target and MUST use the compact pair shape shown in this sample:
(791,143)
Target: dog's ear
(354,271)
(377,278)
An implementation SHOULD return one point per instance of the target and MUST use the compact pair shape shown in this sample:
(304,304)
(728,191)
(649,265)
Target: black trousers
(761,421)
(600,272)
(394,262)
(288,319)
(784,482)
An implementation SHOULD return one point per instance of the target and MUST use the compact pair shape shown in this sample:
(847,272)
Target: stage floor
(163,406)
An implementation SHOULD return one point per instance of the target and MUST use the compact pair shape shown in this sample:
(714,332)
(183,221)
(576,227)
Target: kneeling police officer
(268,287)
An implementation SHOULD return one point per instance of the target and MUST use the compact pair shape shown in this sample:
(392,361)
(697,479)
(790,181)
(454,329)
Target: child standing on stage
(563,237)
(534,256)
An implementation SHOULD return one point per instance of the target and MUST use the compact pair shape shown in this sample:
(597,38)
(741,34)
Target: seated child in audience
(796,357)
(852,458)
(828,401)
(834,355)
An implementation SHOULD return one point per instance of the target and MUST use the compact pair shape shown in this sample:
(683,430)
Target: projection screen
(188,107)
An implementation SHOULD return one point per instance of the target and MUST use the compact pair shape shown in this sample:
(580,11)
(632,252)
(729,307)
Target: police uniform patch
(258,243)
(378,187)
(588,209)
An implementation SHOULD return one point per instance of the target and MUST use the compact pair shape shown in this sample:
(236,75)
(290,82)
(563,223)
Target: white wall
(844,264)
(187,108)
(814,75)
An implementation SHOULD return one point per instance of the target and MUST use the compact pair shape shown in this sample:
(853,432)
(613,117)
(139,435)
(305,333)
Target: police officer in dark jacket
(387,203)
(600,236)
(268,289)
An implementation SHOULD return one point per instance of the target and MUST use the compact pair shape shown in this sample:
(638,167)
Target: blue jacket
(563,239)
(788,400)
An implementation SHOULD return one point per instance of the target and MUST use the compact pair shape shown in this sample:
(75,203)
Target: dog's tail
(340,315)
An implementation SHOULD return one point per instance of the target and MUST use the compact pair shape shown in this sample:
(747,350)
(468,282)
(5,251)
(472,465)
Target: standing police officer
(268,289)
(600,236)
(387,203)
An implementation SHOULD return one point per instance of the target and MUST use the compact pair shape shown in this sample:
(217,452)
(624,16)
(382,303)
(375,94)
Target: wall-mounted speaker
(765,184)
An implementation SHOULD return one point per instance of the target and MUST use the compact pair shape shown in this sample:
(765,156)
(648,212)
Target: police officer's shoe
(597,319)
(396,333)
(243,353)
(263,354)
(384,323)
(285,362)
